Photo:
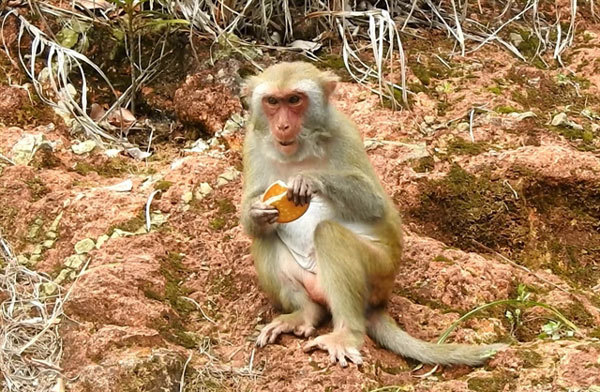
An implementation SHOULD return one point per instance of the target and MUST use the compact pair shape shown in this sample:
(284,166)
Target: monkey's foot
(284,324)
(340,345)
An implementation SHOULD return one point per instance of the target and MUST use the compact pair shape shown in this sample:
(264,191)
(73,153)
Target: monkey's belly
(298,236)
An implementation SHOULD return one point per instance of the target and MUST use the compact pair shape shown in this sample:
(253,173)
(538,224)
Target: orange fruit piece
(276,196)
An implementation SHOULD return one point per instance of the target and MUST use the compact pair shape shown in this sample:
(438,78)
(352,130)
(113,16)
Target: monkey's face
(285,111)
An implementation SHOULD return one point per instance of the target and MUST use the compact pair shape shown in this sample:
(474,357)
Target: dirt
(516,189)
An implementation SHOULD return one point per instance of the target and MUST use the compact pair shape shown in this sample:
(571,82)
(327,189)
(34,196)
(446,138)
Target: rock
(55,223)
(429,120)
(37,250)
(198,146)
(49,288)
(463,127)
(48,244)
(561,120)
(25,148)
(227,176)
(34,259)
(75,261)
(22,260)
(51,235)
(521,116)
(187,197)
(84,246)
(101,240)
(83,147)
(112,152)
(515,38)
(62,276)
(157,218)
(596,128)
(125,186)
(203,190)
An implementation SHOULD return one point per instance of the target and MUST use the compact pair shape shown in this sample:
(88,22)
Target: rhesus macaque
(342,255)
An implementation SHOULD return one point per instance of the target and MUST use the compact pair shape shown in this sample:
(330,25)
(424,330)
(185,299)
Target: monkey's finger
(354,355)
(311,346)
(304,197)
(341,357)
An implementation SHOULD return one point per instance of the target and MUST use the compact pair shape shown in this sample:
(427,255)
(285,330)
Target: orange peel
(276,196)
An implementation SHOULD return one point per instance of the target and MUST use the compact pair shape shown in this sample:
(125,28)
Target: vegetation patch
(460,146)
(537,222)
(37,188)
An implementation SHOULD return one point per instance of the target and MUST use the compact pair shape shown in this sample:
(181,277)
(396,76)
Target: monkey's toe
(337,349)
(304,330)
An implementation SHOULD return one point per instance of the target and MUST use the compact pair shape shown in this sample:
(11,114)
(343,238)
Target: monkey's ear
(329,81)
(247,89)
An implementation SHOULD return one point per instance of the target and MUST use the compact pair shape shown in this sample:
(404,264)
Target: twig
(181,383)
(148,220)
(7,160)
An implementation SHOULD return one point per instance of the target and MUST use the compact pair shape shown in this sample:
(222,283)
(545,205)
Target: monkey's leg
(344,262)
(280,277)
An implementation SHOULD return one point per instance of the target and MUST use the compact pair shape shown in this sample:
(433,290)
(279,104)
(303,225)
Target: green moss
(460,146)
(443,259)
(583,139)
(131,225)
(488,384)
(172,325)
(217,223)
(505,109)
(530,358)
(37,188)
(109,168)
(424,164)
(495,89)
(466,208)
(225,206)
(162,185)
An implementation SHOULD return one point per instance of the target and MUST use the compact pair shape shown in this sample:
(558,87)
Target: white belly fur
(298,236)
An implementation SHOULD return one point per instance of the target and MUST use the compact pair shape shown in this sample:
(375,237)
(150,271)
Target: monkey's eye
(294,99)
(272,101)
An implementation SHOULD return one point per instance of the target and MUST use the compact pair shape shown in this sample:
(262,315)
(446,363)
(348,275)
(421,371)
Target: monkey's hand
(263,214)
(300,189)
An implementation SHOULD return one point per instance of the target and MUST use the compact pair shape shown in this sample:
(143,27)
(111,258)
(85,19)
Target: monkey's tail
(383,329)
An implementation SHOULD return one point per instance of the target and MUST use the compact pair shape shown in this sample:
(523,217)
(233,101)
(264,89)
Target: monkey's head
(291,100)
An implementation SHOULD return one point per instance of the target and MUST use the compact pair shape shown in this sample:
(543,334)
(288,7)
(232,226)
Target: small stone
(84,246)
(515,38)
(463,127)
(56,222)
(33,260)
(560,119)
(101,240)
(429,119)
(83,147)
(230,174)
(73,275)
(124,186)
(157,219)
(22,260)
(37,250)
(187,197)
(74,261)
(48,244)
(49,288)
(51,235)
(595,128)
(62,276)
(112,152)
(25,148)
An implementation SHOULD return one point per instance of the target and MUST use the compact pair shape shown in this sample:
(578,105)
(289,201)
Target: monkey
(341,257)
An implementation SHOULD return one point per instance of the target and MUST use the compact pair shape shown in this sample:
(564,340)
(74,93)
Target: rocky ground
(517,184)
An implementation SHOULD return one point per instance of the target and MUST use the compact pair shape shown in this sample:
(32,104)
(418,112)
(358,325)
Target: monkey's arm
(352,193)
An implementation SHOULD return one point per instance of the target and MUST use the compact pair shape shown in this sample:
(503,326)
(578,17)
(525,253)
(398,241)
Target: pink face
(285,111)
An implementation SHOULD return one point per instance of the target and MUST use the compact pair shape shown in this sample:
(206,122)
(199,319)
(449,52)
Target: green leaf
(67,37)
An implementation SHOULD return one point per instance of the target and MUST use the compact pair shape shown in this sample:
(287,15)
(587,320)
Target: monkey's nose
(283,127)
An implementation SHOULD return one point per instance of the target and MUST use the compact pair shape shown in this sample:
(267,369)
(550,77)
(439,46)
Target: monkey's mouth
(288,143)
